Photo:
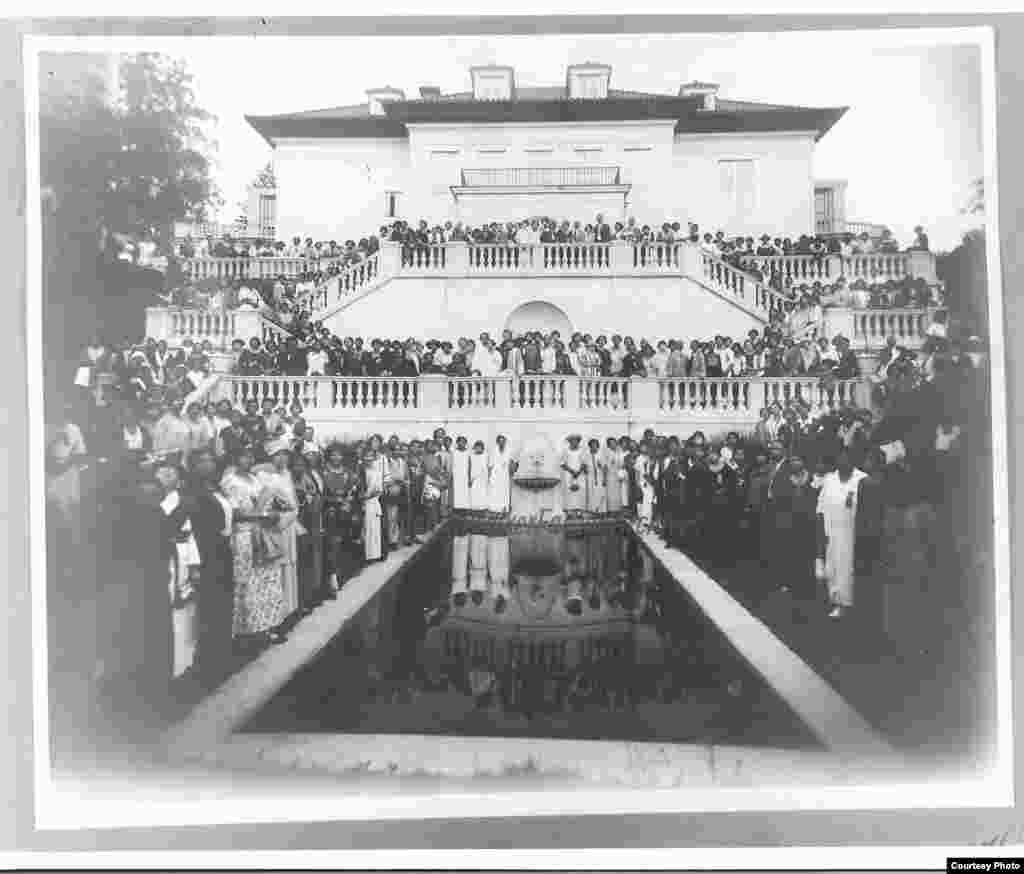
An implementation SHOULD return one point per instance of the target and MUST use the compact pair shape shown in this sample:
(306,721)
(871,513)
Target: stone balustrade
(594,259)
(175,325)
(871,328)
(249,268)
(432,400)
(753,295)
(872,268)
(615,258)
(868,329)
(350,281)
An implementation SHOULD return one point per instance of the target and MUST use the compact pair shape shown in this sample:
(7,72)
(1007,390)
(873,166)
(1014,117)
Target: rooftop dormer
(707,90)
(588,81)
(493,82)
(377,97)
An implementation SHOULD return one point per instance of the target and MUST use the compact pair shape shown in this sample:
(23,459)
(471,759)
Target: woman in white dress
(498,562)
(618,477)
(373,512)
(837,515)
(574,479)
(460,569)
(643,467)
(479,477)
(460,475)
(597,478)
(502,468)
(477,568)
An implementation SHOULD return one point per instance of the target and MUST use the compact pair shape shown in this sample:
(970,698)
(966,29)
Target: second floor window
(391,204)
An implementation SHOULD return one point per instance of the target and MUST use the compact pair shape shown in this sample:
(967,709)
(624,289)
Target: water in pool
(534,633)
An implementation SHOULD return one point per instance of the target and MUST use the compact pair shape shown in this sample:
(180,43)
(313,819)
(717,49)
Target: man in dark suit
(531,355)
(778,487)
(294,359)
(673,493)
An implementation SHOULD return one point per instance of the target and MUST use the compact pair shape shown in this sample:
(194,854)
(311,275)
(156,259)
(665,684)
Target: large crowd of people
(546,230)
(238,501)
(314,351)
(245,519)
(291,296)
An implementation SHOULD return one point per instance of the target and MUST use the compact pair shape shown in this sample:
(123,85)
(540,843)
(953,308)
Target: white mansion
(571,151)
(501,153)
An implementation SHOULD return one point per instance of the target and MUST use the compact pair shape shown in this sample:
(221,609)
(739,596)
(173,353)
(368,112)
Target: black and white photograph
(491,425)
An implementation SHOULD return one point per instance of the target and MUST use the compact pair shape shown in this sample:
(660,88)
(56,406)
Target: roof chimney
(377,97)
(493,82)
(429,92)
(588,81)
(707,90)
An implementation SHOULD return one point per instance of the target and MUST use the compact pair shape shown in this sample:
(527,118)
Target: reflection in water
(537,632)
(553,618)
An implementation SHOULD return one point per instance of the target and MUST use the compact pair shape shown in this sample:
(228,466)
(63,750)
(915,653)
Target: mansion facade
(502,153)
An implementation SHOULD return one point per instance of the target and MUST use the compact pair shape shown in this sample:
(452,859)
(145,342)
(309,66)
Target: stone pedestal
(537,484)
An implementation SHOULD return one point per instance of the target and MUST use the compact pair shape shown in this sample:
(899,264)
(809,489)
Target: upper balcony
(540,177)
(500,193)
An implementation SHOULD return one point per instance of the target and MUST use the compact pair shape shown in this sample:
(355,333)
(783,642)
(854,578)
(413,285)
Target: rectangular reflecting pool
(534,632)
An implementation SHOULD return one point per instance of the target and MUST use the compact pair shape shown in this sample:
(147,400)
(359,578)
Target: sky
(909,146)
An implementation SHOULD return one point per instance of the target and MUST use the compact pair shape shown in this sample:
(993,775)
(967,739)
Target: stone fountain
(537,482)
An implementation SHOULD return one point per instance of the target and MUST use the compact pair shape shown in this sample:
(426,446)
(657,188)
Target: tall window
(739,187)
(266,210)
(824,210)
(391,204)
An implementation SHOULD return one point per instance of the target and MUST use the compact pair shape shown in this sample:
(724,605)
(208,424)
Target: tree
(119,164)
(964,270)
(133,163)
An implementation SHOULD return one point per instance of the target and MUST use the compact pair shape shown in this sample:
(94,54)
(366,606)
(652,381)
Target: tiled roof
(546,103)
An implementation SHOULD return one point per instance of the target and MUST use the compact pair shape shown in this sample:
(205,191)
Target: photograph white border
(60,810)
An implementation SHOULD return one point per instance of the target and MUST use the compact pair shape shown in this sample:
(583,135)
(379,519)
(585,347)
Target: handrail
(350,280)
(567,397)
(803,268)
(735,281)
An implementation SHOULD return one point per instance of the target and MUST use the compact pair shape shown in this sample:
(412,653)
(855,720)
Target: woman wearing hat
(837,525)
(182,557)
(372,489)
(279,495)
(259,604)
(574,481)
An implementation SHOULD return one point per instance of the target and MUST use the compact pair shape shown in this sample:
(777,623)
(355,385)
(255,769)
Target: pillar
(622,257)
(644,397)
(248,324)
(921,265)
(390,256)
(433,394)
(158,323)
(457,259)
(833,267)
